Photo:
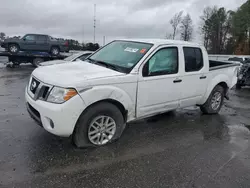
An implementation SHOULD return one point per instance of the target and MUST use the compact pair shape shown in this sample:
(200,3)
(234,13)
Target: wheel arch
(113,95)
(55,45)
(116,103)
(11,43)
(221,80)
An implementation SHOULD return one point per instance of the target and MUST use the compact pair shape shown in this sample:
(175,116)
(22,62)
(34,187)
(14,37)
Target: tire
(55,51)
(238,86)
(36,62)
(82,133)
(208,107)
(13,48)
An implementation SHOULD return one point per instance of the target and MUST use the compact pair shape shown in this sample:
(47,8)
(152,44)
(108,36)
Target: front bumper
(58,119)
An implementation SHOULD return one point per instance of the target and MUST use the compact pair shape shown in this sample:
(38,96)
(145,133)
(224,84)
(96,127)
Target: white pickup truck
(126,80)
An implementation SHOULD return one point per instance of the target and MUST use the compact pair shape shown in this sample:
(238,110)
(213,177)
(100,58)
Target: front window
(163,62)
(121,55)
(30,37)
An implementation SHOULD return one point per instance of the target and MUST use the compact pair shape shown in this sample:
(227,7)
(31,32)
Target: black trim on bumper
(34,114)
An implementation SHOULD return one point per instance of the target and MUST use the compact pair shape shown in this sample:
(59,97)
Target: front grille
(45,92)
(34,85)
(38,89)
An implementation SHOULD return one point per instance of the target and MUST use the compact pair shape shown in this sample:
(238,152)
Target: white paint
(140,96)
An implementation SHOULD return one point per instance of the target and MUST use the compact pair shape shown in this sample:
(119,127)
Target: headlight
(61,95)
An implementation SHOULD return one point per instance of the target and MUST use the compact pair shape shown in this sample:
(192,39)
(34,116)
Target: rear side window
(41,37)
(193,59)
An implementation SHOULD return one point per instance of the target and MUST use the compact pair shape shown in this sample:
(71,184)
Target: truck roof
(162,41)
(36,34)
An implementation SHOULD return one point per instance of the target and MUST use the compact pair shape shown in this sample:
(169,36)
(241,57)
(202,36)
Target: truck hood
(73,74)
(11,40)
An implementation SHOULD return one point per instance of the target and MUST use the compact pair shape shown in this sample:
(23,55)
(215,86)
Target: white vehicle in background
(125,80)
(76,56)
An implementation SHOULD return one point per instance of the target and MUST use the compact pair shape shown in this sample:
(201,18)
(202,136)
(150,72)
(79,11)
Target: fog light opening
(51,124)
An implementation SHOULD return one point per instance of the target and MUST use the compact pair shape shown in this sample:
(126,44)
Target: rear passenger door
(42,43)
(194,77)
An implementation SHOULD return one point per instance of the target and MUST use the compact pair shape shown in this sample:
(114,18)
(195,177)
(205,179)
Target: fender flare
(102,93)
(220,79)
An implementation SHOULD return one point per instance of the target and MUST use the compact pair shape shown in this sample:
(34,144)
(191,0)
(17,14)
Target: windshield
(121,54)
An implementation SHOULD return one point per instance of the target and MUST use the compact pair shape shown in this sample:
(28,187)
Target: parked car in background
(244,75)
(124,81)
(76,56)
(238,59)
(35,42)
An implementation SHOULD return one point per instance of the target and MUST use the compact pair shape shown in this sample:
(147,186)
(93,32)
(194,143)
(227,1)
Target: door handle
(203,77)
(177,81)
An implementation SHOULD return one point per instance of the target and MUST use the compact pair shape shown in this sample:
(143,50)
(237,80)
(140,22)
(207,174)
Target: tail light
(66,43)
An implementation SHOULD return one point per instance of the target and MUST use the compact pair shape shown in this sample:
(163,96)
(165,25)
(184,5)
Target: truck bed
(30,56)
(214,65)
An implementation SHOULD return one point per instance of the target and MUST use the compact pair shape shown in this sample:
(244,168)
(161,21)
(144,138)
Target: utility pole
(104,40)
(94,20)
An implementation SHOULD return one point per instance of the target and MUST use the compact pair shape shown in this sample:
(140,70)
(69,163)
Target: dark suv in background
(36,42)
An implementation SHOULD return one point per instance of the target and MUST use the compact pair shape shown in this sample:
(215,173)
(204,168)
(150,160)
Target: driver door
(159,83)
(28,42)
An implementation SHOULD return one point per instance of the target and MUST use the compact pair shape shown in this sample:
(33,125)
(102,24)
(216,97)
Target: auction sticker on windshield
(133,50)
(143,50)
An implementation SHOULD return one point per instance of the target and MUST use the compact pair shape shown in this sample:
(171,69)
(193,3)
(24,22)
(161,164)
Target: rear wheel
(214,101)
(55,51)
(13,48)
(99,125)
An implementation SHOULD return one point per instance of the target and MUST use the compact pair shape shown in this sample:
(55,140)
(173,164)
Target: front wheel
(13,48)
(214,101)
(101,124)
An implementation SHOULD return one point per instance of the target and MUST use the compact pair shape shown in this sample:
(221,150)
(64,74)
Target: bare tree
(169,36)
(175,21)
(186,28)
(207,13)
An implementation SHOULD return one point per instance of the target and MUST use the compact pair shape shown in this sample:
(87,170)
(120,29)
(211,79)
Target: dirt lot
(180,149)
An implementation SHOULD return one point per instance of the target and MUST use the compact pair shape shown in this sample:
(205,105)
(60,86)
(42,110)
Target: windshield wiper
(107,65)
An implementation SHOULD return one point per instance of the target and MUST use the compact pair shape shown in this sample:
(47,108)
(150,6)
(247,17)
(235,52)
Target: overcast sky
(115,18)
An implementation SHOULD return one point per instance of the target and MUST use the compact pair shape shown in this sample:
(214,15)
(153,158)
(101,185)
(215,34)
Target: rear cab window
(193,59)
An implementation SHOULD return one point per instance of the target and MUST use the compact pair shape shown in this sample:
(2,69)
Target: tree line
(223,31)
(73,44)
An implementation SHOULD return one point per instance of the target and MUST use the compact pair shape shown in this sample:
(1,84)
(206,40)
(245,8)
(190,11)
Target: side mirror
(24,39)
